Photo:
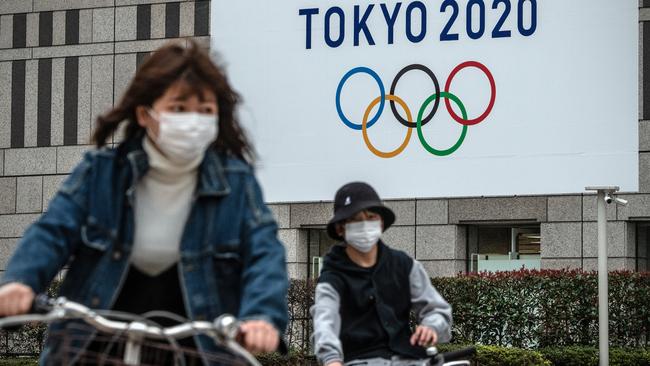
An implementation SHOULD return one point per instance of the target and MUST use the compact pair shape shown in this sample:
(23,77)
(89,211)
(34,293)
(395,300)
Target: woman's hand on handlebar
(15,299)
(259,336)
(424,336)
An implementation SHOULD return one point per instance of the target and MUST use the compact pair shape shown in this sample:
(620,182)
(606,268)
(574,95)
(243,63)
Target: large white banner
(438,98)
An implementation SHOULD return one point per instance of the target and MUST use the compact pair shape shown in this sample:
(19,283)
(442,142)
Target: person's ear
(142,115)
(340,229)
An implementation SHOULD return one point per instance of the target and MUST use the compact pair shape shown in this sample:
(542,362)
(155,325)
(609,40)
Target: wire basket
(108,350)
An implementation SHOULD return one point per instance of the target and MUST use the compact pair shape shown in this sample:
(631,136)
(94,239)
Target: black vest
(375,304)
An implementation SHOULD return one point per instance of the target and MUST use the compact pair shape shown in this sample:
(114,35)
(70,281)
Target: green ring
(419,124)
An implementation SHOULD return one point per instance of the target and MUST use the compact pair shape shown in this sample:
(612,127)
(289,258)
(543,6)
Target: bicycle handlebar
(223,330)
(450,358)
(459,354)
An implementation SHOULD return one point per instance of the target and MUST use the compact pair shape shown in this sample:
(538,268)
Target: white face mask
(184,137)
(363,235)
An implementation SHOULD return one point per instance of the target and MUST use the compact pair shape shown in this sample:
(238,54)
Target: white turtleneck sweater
(162,206)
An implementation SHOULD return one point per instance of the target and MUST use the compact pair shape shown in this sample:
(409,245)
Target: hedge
(588,356)
(486,356)
(300,298)
(536,309)
(528,309)
(501,356)
(293,359)
(556,356)
(521,309)
(525,309)
(19,362)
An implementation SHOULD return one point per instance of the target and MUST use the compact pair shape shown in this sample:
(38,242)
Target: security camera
(608,198)
(620,201)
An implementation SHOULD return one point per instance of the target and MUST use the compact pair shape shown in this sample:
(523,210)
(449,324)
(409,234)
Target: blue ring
(374,119)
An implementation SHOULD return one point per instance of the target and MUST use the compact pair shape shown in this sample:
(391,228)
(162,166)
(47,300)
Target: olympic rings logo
(421,120)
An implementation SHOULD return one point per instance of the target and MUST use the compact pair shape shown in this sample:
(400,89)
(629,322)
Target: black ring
(427,71)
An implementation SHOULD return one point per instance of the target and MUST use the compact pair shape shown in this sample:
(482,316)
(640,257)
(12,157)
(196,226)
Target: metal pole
(603,301)
(603,293)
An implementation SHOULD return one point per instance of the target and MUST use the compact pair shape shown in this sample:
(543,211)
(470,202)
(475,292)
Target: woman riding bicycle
(170,219)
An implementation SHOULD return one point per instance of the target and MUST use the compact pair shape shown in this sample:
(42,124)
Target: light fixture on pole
(605,195)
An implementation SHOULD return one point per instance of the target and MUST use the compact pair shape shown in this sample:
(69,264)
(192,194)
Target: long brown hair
(167,65)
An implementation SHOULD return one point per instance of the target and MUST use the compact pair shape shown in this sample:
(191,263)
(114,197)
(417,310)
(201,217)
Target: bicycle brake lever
(42,304)
(227,326)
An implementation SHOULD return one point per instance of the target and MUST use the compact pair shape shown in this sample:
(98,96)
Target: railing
(501,262)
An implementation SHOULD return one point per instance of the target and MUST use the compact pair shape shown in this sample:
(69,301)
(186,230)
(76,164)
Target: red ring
(493,91)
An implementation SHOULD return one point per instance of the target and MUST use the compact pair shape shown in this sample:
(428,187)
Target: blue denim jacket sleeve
(264,276)
(49,242)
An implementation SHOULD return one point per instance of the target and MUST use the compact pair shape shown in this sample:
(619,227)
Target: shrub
(300,298)
(531,309)
(19,362)
(292,359)
(553,310)
(524,309)
(588,356)
(571,356)
(486,356)
(502,356)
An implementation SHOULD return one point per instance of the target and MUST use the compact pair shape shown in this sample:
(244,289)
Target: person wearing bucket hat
(353,198)
(367,290)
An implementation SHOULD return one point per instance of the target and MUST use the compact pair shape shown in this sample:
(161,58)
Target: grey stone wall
(63,62)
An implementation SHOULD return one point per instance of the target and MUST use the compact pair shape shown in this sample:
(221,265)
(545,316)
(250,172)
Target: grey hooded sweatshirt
(362,313)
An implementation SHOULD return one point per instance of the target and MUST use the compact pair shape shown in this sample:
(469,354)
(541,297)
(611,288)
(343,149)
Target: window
(504,247)
(643,246)
(319,243)
(527,241)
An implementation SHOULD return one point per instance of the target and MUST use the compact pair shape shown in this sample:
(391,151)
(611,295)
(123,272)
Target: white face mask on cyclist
(184,137)
(363,235)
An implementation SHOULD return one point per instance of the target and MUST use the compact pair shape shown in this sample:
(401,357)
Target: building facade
(64,62)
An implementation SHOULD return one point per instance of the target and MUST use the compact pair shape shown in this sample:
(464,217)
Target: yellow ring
(401,148)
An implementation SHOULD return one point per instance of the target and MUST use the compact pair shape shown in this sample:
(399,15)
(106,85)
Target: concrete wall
(63,62)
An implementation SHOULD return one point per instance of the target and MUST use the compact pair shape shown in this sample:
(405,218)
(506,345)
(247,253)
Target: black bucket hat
(352,198)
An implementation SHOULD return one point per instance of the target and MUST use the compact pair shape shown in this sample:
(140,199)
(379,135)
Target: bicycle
(434,358)
(138,338)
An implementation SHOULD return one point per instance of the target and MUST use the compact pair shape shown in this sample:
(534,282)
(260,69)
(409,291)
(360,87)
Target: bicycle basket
(69,345)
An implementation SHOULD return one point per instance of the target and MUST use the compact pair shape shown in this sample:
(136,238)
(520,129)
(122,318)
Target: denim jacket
(231,260)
